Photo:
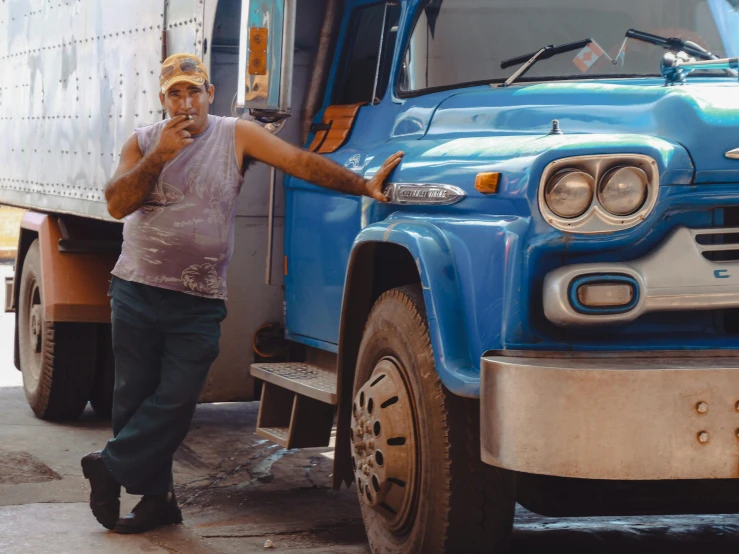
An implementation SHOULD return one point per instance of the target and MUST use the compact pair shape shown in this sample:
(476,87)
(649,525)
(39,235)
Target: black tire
(101,397)
(459,503)
(57,359)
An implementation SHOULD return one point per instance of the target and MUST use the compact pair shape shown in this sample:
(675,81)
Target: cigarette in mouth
(189,117)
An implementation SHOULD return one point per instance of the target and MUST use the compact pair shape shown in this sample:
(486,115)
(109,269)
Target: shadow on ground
(716,534)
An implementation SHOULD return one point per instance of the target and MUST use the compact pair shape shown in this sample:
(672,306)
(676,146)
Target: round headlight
(622,190)
(569,192)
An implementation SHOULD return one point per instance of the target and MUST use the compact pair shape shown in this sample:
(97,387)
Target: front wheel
(416,446)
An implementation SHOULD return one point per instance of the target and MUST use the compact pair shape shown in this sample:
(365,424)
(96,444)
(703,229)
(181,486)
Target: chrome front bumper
(608,417)
(676,276)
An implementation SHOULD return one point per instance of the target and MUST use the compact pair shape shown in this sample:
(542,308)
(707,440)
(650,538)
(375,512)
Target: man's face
(189,99)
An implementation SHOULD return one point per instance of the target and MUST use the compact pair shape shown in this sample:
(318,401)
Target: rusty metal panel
(82,294)
(76,78)
(612,417)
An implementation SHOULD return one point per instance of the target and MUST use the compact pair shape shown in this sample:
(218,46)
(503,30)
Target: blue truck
(546,312)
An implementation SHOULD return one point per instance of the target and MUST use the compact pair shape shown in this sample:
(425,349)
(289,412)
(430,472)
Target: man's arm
(137,174)
(257,143)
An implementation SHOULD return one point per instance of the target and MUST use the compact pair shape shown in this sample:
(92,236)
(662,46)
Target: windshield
(463,41)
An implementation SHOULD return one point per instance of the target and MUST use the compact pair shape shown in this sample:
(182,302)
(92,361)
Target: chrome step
(302,378)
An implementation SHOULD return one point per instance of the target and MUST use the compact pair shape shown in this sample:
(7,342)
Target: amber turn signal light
(487,183)
(257,51)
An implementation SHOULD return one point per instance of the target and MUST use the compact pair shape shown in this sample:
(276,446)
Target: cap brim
(192,79)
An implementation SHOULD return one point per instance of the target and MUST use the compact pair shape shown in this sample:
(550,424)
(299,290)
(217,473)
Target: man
(177,185)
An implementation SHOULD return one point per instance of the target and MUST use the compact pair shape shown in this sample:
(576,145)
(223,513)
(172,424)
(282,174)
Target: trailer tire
(57,359)
(429,492)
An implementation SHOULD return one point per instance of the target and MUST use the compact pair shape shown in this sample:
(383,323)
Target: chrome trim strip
(676,276)
(424,194)
(596,219)
(620,354)
(596,418)
(733,154)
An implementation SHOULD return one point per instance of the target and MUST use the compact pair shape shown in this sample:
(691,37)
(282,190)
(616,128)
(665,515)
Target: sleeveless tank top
(181,238)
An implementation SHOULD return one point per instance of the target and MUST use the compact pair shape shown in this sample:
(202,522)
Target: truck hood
(702,116)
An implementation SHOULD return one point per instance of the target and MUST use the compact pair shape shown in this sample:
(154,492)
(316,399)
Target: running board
(298,404)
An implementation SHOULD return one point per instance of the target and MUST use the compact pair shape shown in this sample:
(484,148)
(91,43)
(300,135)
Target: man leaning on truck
(177,185)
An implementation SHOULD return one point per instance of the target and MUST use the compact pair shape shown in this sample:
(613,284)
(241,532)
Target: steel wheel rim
(34,330)
(384,446)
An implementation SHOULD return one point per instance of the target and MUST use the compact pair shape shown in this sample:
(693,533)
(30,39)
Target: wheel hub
(384,444)
(35,324)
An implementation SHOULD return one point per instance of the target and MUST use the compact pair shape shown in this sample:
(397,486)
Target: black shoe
(105,491)
(152,511)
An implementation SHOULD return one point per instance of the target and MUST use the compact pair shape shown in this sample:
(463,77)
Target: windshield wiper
(672,43)
(543,53)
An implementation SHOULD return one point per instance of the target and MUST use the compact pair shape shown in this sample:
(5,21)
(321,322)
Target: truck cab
(544,311)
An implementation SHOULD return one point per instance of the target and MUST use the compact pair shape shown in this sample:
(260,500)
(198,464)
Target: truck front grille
(721,244)
(718,245)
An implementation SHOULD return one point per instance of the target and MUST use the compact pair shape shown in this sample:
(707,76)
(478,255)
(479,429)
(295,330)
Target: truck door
(321,224)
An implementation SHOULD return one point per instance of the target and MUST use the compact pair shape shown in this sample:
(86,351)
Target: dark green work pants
(164,343)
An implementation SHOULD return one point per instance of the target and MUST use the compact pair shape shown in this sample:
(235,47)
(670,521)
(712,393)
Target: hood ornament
(733,154)
(675,68)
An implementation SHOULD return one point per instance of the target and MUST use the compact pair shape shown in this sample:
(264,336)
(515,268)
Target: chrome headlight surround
(596,219)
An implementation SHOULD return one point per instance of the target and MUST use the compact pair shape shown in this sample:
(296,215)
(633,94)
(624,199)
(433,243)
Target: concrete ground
(238,491)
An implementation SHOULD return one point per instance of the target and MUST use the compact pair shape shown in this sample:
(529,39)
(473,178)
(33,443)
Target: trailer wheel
(57,359)
(416,447)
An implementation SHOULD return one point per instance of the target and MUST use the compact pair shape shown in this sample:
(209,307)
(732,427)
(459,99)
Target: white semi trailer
(76,78)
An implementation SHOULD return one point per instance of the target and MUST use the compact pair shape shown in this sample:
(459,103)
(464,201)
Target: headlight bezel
(596,219)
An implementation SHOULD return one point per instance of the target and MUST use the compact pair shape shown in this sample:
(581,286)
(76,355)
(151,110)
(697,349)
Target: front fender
(441,292)
(465,268)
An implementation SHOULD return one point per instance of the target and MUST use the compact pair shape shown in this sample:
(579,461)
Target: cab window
(371,37)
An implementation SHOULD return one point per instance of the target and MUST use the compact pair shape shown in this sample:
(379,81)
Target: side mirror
(266,56)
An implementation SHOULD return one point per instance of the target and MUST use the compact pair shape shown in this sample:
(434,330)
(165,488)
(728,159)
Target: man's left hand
(375,185)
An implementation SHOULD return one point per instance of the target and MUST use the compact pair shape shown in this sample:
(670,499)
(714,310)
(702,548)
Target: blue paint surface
(483,260)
